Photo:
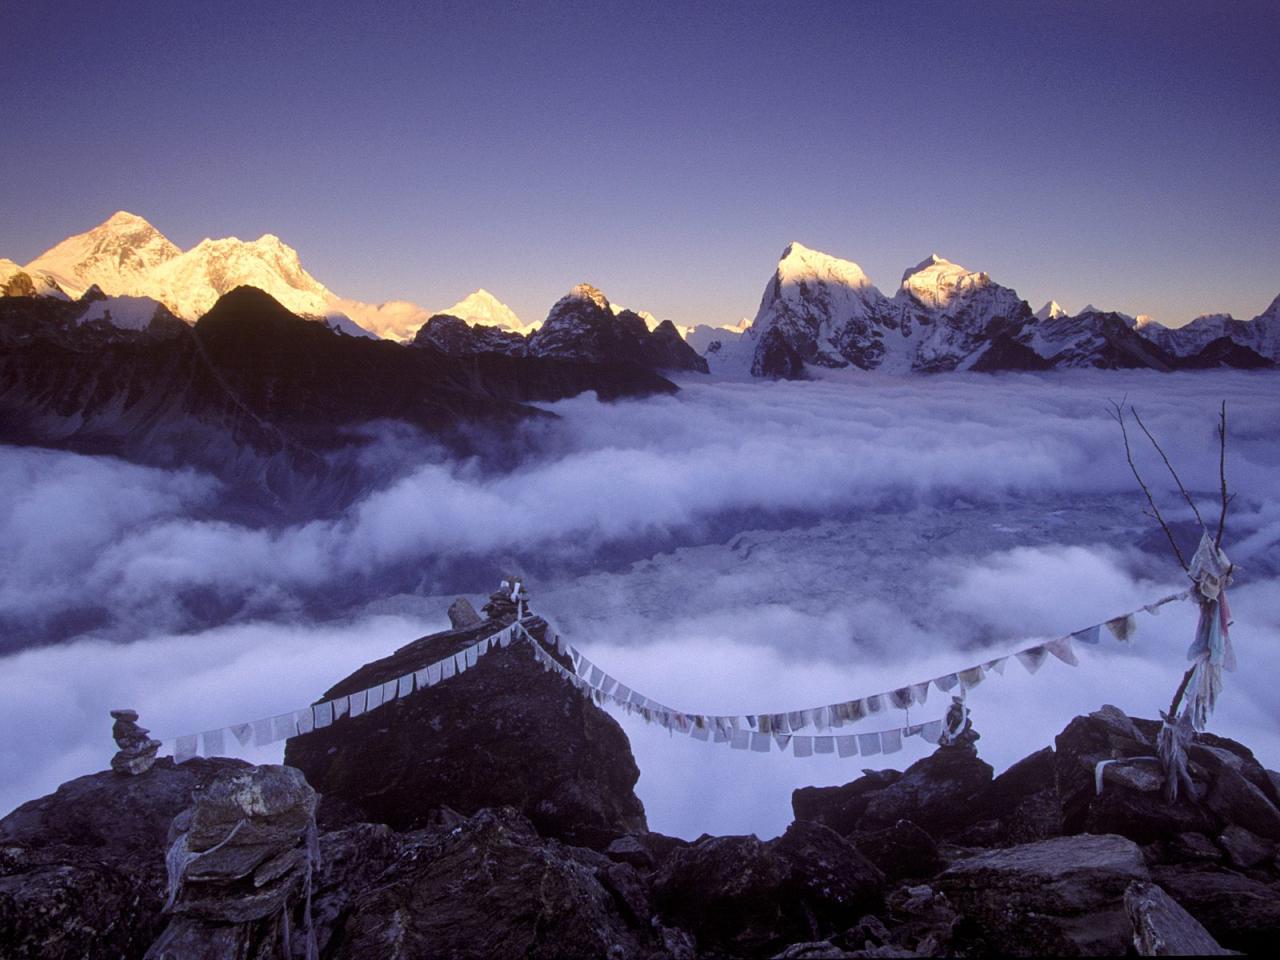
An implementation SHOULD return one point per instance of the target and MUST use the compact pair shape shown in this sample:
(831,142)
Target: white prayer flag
(389,690)
(760,742)
(283,727)
(261,732)
(608,684)
(213,743)
(184,748)
(597,677)
(824,744)
(472,656)
(802,746)
(243,732)
(460,662)
(997,665)
(1090,635)
(869,744)
(847,745)
(920,692)
(304,721)
(506,636)
(341,707)
(358,703)
(890,741)
(323,713)
(782,739)
(433,673)
(1061,648)
(947,682)
(700,732)
(970,677)
(931,732)
(373,698)
(740,740)
(796,720)
(448,669)
(406,685)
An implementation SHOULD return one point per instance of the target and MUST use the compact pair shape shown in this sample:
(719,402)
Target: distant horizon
(537,317)
(1082,152)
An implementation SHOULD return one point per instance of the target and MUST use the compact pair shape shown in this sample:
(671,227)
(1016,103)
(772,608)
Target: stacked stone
(137,753)
(245,851)
(502,603)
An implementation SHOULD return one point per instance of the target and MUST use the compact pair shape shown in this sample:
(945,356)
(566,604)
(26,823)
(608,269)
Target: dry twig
(1117,414)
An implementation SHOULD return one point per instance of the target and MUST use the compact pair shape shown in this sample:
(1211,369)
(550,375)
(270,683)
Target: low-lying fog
(740,547)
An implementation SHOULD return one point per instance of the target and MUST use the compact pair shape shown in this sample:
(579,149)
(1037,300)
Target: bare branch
(1222,472)
(1182,688)
(1117,414)
(1174,473)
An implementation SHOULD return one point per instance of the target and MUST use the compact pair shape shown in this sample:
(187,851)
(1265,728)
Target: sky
(1119,154)
(736,547)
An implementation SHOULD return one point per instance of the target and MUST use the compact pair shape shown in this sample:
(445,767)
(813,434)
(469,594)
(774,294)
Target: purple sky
(1123,154)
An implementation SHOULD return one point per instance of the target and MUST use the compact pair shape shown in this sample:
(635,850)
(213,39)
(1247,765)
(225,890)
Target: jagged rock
(741,895)
(841,808)
(1240,913)
(462,614)
(936,793)
(1189,847)
(1062,896)
(246,850)
(491,887)
(504,733)
(82,873)
(1244,848)
(1141,815)
(900,851)
(1161,928)
(1238,801)
(644,851)
(1020,806)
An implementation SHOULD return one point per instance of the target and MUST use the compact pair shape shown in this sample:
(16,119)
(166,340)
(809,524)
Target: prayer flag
(597,677)
(869,744)
(920,692)
(323,713)
(741,740)
(847,745)
(304,721)
(460,662)
(283,727)
(1061,648)
(875,703)
(970,678)
(1090,635)
(890,741)
(931,732)
(700,733)
(623,693)
(434,671)
(901,698)
(243,732)
(261,732)
(1122,628)
(448,670)
(213,743)
(373,698)
(389,690)
(1032,658)
(945,683)
(760,742)
(824,744)
(802,746)
(184,748)
(997,665)
(341,707)
(472,656)
(782,739)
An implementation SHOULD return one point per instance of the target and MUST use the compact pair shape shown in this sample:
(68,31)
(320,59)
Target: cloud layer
(734,544)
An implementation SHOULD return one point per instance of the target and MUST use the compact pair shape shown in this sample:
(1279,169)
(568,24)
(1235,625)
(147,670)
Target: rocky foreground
(445,827)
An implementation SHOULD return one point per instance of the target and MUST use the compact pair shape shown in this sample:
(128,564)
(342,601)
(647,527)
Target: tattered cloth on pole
(1211,650)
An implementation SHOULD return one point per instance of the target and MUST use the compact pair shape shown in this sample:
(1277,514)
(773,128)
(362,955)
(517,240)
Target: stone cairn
(239,859)
(137,753)
(506,602)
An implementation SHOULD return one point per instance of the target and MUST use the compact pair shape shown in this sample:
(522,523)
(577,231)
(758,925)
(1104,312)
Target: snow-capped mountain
(1260,335)
(823,310)
(482,307)
(583,326)
(1093,338)
(1050,311)
(121,255)
(17,282)
(125,256)
(124,312)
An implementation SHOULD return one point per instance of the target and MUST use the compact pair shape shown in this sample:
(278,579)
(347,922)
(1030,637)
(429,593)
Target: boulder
(492,887)
(743,896)
(462,614)
(1161,928)
(1020,806)
(504,733)
(1131,803)
(1245,849)
(841,808)
(1063,896)
(937,793)
(1238,801)
(82,870)
(1239,912)
(900,851)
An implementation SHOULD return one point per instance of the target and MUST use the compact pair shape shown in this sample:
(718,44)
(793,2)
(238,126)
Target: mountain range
(816,311)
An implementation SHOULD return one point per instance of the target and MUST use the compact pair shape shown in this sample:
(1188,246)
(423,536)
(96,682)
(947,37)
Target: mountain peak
(1051,311)
(125,219)
(799,263)
(585,291)
(482,307)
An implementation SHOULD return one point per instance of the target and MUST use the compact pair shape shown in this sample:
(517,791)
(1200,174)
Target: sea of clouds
(735,548)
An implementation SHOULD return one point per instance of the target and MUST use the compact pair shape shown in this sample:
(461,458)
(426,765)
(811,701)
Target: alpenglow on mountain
(821,311)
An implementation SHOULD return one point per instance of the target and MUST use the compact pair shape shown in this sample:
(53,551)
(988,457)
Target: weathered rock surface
(1240,912)
(504,733)
(1161,928)
(743,897)
(1057,897)
(82,870)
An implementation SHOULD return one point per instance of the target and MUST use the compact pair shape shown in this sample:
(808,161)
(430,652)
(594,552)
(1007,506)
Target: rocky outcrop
(583,326)
(457,338)
(1059,897)
(504,733)
(137,753)
(82,870)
